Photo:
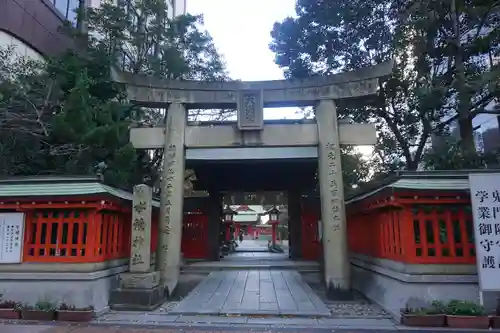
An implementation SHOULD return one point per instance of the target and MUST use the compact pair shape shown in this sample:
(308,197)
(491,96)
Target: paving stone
(252,292)
(159,318)
(283,321)
(269,306)
(212,319)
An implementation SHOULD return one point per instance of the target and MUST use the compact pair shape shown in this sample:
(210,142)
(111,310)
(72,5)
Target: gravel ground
(165,308)
(359,307)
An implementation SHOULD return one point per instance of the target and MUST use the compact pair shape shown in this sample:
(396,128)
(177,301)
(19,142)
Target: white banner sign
(485,198)
(11,237)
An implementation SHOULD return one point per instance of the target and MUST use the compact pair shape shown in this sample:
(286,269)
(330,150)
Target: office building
(32,26)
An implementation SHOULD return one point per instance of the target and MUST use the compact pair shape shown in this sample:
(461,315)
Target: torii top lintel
(152,91)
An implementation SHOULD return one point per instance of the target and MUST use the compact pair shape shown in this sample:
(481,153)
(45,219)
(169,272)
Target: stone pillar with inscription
(334,236)
(168,256)
(139,288)
(141,230)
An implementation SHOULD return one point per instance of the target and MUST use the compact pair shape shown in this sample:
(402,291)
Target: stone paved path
(252,292)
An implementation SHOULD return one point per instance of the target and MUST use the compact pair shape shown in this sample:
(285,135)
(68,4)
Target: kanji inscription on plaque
(250,110)
(485,199)
(11,237)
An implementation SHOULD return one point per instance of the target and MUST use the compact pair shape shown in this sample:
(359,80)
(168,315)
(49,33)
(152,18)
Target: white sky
(241,32)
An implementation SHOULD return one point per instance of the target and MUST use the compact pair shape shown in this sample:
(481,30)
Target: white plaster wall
(20,48)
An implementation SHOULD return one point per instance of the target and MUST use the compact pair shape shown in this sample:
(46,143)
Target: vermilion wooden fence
(419,228)
(423,228)
(74,231)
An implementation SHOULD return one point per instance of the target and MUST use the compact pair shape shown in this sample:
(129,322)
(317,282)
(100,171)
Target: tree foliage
(428,84)
(66,115)
(144,40)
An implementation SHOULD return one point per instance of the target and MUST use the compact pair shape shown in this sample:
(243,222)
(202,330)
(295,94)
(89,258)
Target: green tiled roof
(456,180)
(59,186)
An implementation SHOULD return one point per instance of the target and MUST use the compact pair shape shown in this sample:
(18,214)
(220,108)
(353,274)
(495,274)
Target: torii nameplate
(250,112)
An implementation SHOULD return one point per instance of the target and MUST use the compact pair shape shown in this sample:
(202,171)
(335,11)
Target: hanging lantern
(274,214)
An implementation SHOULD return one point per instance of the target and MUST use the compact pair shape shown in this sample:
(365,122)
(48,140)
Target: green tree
(463,38)
(331,36)
(143,40)
(66,115)
(355,168)
(24,122)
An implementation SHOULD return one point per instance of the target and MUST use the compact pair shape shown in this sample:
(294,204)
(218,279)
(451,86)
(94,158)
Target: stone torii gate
(249,98)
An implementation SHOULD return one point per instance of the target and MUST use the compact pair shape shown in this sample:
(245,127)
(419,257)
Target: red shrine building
(69,238)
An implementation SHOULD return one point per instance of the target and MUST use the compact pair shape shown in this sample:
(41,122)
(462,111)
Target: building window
(73,6)
(68,9)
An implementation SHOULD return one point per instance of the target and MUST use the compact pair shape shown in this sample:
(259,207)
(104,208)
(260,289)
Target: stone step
(207,267)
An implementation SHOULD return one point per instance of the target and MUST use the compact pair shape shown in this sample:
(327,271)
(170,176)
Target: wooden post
(274,233)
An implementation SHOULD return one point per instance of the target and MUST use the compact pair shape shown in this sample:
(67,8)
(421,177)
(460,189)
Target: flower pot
(495,321)
(468,321)
(38,315)
(422,320)
(77,315)
(9,314)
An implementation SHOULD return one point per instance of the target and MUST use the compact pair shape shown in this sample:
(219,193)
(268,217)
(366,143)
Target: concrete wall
(20,48)
(35,22)
(393,284)
(77,284)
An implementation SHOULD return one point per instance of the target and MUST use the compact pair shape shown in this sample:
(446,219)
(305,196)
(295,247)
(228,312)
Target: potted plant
(9,309)
(43,310)
(466,314)
(432,316)
(67,312)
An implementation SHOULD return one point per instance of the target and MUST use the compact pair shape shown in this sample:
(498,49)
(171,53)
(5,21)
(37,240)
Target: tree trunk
(464,118)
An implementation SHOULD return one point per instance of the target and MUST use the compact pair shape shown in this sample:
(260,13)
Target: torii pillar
(168,255)
(333,217)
